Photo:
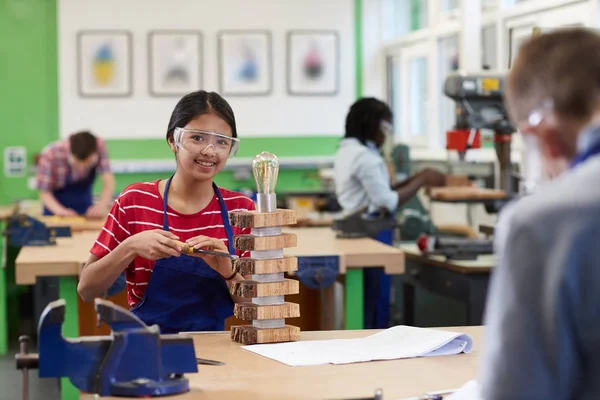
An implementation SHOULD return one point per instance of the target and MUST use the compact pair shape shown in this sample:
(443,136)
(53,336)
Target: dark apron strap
(165,202)
(224,214)
(225,217)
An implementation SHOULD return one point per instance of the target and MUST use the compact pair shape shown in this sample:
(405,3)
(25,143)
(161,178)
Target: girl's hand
(154,244)
(220,264)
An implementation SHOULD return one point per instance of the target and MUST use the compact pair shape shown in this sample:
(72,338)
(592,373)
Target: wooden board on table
(255,219)
(465,193)
(248,334)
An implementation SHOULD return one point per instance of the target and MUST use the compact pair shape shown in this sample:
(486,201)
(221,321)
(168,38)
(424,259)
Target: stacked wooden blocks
(267,264)
(267,309)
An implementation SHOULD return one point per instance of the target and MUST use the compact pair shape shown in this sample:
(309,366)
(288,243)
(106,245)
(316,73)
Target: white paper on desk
(393,343)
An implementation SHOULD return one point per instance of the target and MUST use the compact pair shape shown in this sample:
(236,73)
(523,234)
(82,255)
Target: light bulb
(265,167)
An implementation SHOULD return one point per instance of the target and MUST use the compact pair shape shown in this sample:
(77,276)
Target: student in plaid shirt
(66,172)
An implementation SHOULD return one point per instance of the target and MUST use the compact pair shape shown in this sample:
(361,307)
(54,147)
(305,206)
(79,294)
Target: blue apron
(377,290)
(76,195)
(184,293)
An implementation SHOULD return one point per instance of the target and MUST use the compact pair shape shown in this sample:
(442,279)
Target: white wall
(142,116)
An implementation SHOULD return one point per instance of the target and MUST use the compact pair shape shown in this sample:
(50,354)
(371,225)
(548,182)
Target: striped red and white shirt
(140,207)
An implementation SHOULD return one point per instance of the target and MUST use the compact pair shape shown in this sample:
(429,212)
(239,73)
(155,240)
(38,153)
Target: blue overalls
(76,195)
(184,293)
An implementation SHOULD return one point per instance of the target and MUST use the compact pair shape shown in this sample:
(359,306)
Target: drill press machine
(479,101)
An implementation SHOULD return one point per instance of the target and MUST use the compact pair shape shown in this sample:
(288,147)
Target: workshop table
(247,375)
(353,256)
(462,280)
(5,214)
(66,259)
(77,224)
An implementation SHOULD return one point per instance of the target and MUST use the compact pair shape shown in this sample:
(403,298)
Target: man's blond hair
(562,66)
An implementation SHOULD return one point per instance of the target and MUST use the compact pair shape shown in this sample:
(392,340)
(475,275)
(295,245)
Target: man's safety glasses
(197,141)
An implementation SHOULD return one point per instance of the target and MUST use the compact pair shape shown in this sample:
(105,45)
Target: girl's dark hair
(198,103)
(364,118)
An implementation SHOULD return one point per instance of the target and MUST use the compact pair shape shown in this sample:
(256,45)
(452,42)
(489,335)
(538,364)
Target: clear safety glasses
(387,128)
(197,141)
(537,115)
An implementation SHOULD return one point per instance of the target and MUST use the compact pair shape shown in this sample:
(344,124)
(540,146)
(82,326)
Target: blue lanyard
(590,152)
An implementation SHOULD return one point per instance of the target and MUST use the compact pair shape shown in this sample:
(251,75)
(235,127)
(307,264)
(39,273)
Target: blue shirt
(362,178)
(543,309)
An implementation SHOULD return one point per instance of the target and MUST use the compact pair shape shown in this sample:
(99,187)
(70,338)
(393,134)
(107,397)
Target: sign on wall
(15,161)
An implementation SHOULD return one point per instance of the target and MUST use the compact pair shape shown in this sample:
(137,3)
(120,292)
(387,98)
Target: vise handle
(26,361)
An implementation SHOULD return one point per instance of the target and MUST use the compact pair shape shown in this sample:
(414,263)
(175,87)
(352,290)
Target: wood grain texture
(465,193)
(250,266)
(250,311)
(249,289)
(248,334)
(251,242)
(256,219)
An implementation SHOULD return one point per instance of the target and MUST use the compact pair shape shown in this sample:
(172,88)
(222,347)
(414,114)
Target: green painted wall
(28,83)
(29,112)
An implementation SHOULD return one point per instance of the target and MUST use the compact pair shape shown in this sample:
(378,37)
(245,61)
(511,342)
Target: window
(488,47)
(417,96)
(449,6)
(449,62)
(394,67)
(397,20)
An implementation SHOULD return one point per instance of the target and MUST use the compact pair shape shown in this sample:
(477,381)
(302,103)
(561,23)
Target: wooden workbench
(352,253)
(247,375)
(463,280)
(77,224)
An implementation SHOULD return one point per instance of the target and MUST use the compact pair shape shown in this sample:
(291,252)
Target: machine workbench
(463,280)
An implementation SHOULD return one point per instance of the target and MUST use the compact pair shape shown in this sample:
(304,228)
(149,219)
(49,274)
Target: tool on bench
(187,249)
(455,248)
(24,230)
(134,361)
(361,224)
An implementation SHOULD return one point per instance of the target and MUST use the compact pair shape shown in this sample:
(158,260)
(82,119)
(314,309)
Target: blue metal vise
(23,230)
(135,361)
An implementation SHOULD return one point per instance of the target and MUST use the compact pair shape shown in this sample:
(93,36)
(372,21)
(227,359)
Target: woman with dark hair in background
(362,181)
(148,221)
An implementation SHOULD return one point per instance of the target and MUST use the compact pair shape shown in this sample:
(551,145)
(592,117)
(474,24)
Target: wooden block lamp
(266,307)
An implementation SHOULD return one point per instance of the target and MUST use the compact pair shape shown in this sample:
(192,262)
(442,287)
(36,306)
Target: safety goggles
(387,128)
(537,115)
(198,141)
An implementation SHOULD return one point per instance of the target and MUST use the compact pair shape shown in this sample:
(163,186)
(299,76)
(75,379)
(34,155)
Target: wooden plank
(465,193)
(255,219)
(251,311)
(251,242)
(249,289)
(248,334)
(250,266)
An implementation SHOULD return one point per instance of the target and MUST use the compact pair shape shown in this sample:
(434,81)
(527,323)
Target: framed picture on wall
(313,63)
(104,63)
(174,62)
(245,64)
